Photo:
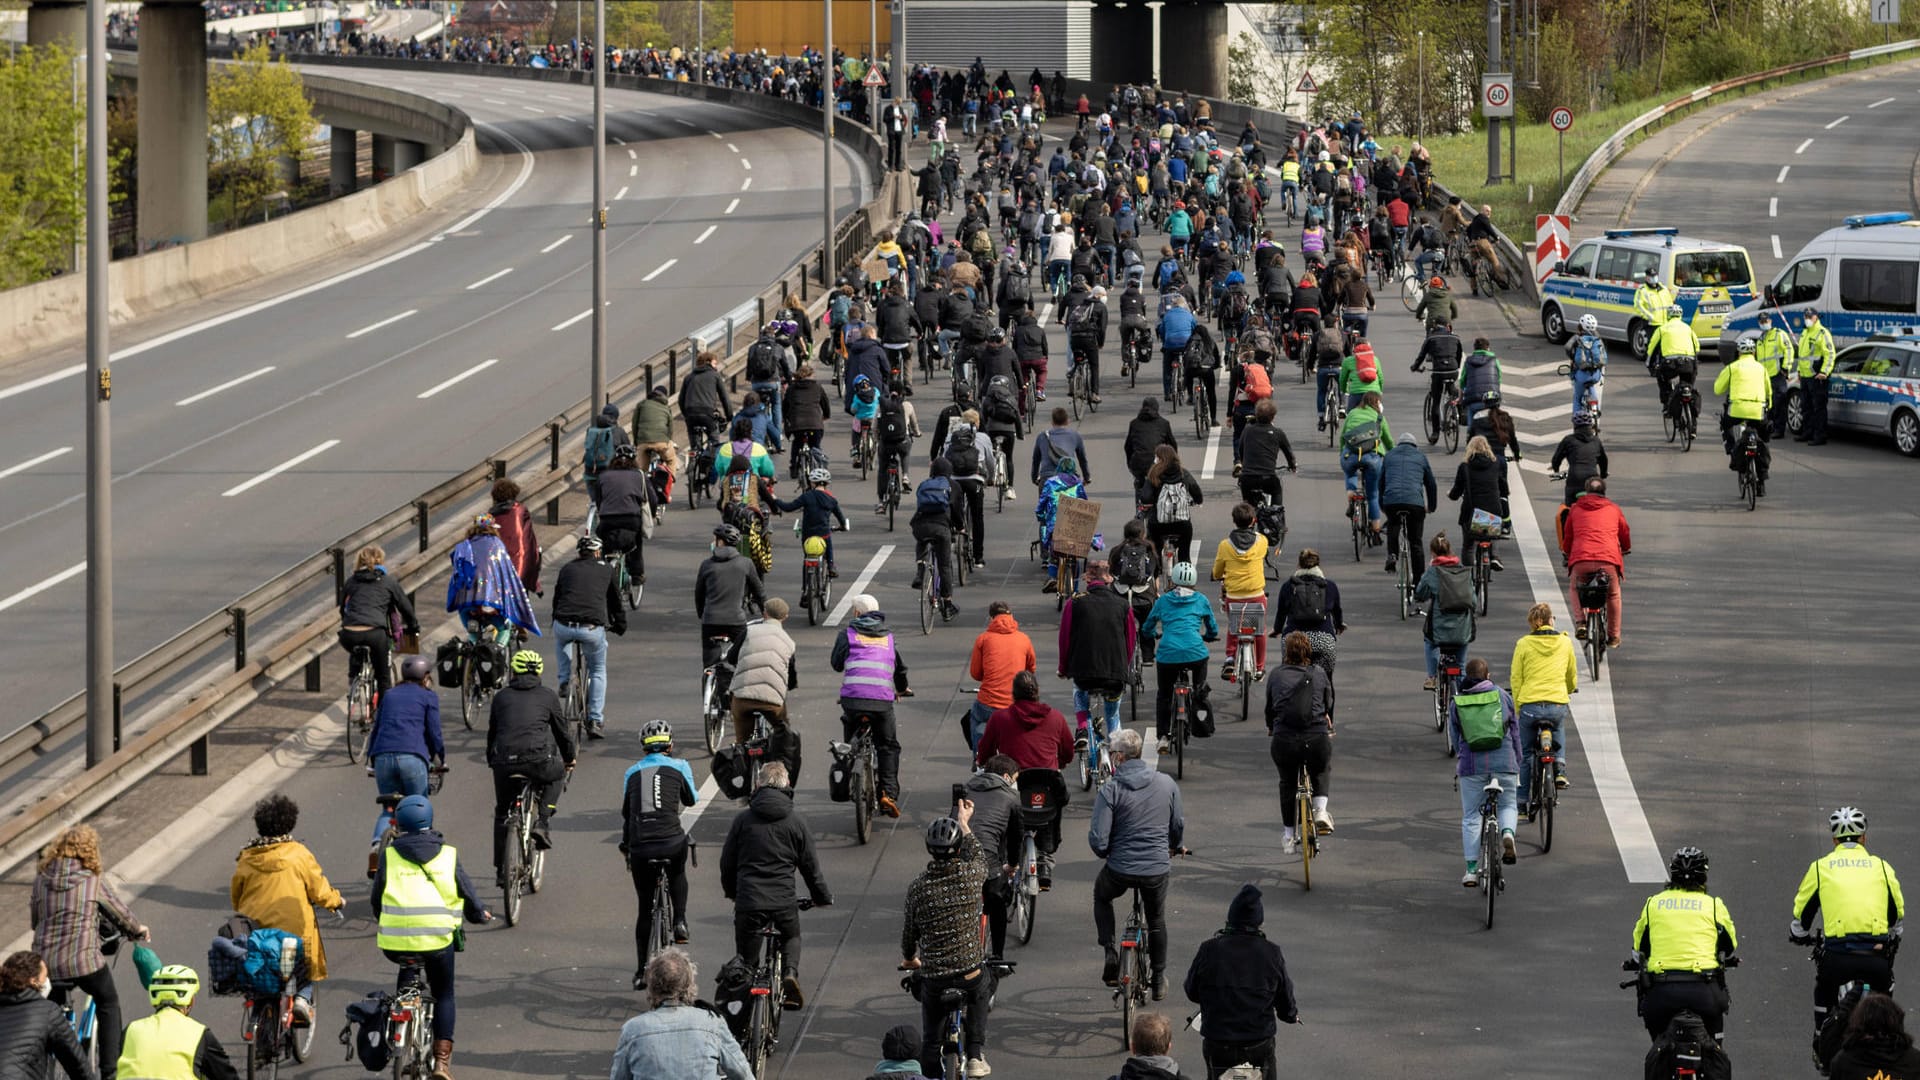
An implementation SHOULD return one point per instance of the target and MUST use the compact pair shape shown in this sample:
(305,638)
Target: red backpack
(1364,364)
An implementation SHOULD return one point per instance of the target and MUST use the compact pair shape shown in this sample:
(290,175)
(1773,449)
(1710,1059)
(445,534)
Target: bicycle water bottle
(1546,740)
(289,956)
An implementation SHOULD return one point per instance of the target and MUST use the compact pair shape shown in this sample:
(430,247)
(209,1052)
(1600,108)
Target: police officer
(1673,353)
(1776,349)
(1857,897)
(1682,943)
(170,1045)
(1650,303)
(1816,363)
(1749,395)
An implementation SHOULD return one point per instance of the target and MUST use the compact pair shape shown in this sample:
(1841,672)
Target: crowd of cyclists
(962,314)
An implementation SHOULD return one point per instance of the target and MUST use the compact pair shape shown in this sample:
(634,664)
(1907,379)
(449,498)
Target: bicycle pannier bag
(1484,525)
(1685,1049)
(840,772)
(365,1035)
(733,771)
(733,995)
(446,664)
(1200,722)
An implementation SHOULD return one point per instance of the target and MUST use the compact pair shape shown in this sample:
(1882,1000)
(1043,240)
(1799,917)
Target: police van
(1709,280)
(1874,388)
(1863,278)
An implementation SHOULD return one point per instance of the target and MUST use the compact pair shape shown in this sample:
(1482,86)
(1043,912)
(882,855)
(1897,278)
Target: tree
(42,209)
(1243,70)
(257,117)
(631,24)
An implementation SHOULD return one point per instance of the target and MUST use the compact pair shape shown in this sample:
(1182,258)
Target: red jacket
(1596,531)
(516,532)
(1000,653)
(1034,734)
(1398,213)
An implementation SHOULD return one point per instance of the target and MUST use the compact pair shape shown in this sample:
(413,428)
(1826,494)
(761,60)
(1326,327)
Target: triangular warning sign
(874,78)
(1306,84)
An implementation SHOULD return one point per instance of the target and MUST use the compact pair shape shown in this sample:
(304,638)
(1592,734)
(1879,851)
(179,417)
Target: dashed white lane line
(632,155)
(494,101)
(534,109)
(618,141)
(1879,103)
(556,243)
(1213,455)
(715,134)
(1802,148)
(859,585)
(747,183)
(661,269)
(32,591)
(733,148)
(1776,247)
(207,393)
(702,238)
(568,119)
(621,194)
(575,319)
(490,278)
(745,164)
(1838,122)
(688,123)
(43,458)
(731,206)
(1782,178)
(633,171)
(291,462)
(462,377)
(1773,207)
(389,321)
(44,380)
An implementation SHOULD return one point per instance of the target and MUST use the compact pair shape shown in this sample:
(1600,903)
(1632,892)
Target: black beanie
(1245,911)
(901,1044)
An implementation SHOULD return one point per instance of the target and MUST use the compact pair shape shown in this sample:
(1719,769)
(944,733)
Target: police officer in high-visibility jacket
(170,1045)
(1682,945)
(1775,349)
(1749,394)
(419,895)
(1674,354)
(1857,897)
(1816,363)
(1650,303)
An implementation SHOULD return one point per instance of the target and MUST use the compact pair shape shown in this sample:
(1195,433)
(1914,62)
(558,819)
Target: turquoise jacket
(1182,619)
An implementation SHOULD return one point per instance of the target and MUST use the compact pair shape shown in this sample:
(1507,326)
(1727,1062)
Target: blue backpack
(260,972)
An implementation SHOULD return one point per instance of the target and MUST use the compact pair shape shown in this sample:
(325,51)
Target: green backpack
(1483,722)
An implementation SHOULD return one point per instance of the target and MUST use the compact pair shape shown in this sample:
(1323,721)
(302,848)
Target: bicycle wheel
(469,692)
(1450,429)
(893,505)
(1128,975)
(863,798)
(1076,390)
(1666,423)
(1430,418)
(1245,677)
(929,599)
(1489,862)
(759,1039)
(1404,569)
(1087,764)
(866,456)
(1303,818)
(1748,489)
(1544,796)
(1020,917)
(1354,527)
(1179,740)
(1596,642)
(1199,416)
(712,713)
(1411,293)
(1483,580)
(511,870)
(359,717)
(950,1058)
(629,588)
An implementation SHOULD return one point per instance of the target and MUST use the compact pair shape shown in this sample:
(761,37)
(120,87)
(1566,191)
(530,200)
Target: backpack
(1001,406)
(1364,364)
(1163,275)
(366,1031)
(933,495)
(1080,320)
(1234,309)
(1454,591)
(1483,720)
(1685,1049)
(982,243)
(1589,354)
(1134,564)
(1362,437)
(1019,287)
(892,421)
(1309,601)
(1130,258)
(599,446)
(1174,503)
(260,972)
(837,310)
(961,453)
(762,361)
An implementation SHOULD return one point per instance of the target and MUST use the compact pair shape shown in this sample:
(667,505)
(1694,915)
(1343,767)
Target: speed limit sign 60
(1561,118)
(1496,94)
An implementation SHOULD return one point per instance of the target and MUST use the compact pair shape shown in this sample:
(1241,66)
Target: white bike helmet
(1589,324)
(1847,822)
(1746,346)
(819,476)
(1184,576)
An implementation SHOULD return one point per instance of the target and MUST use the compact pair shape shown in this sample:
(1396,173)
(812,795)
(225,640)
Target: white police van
(1863,278)
(1709,280)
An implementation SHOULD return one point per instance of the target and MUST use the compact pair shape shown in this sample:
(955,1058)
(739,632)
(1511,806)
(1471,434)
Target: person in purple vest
(872,677)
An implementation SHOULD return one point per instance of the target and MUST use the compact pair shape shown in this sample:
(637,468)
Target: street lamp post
(98,393)
(1421,75)
(598,380)
(827,260)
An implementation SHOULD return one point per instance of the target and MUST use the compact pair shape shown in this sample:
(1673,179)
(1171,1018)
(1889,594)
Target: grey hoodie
(995,806)
(1137,821)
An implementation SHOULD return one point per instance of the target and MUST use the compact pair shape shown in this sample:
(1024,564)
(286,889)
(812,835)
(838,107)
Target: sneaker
(1110,970)
(889,805)
(1080,743)
(1226,671)
(1613,643)
(793,999)
(1051,586)
(1495,563)
(917,582)
(1471,879)
(833,572)
(1561,782)
(978,1067)
(1580,632)
(680,936)
(979,564)
(1046,884)
(1040,395)
(1289,845)
(1392,564)
(639,981)
(880,508)
(1165,747)
(1259,673)
(948,609)
(1236,468)
(1096,400)
(302,1011)
(1507,854)
(1011,493)
(1322,822)
(1430,685)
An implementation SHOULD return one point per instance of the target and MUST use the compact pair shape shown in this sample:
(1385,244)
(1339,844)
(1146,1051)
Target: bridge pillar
(407,154)
(384,157)
(1193,50)
(344,162)
(173,122)
(1122,45)
(58,22)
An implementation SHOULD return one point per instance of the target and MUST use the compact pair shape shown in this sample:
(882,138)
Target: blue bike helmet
(413,814)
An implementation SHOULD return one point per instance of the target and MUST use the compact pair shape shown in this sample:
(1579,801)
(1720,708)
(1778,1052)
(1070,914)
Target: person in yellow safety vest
(1749,395)
(1650,303)
(1775,350)
(170,1045)
(419,896)
(1290,183)
(1816,363)
(1673,353)
(1857,897)
(1683,943)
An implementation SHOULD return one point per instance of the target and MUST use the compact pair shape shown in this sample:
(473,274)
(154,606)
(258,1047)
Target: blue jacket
(866,357)
(484,576)
(408,723)
(763,432)
(1176,326)
(1182,623)
(818,510)
(1407,479)
(1137,821)
(1480,375)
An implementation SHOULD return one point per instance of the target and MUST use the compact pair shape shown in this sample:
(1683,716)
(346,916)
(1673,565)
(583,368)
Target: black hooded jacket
(765,845)
(1145,433)
(1239,978)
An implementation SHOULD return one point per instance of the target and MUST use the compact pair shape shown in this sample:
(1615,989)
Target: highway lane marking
(32,591)
(859,585)
(621,194)
(575,319)
(1802,148)
(633,171)
(1213,455)
(383,322)
(1782,178)
(1773,207)
(1879,103)
(731,206)
(703,236)
(715,134)
(44,380)
(460,378)
(631,155)
(1529,369)
(495,276)
(520,181)
(44,458)
(747,183)
(618,141)
(209,392)
(569,119)
(1776,246)
(661,269)
(733,148)
(534,109)
(556,243)
(291,462)
(745,164)
(683,120)
(494,101)
(1838,122)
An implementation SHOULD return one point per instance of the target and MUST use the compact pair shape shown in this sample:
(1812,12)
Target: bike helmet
(526,661)
(943,838)
(1675,312)
(1324,156)
(1589,324)
(415,668)
(1184,575)
(1492,399)
(820,476)
(174,984)
(485,522)
(814,546)
(1745,346)
(1847,822)
(625,452)
(588,546)
(1688,867)
(860,380)
(658,734)
(727,535)
(413,814)
(1583,419)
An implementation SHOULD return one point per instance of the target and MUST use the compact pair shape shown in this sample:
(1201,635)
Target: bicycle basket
(1596,589)
(1484,525)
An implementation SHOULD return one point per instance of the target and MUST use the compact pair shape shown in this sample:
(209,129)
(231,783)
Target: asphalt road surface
(1756,690)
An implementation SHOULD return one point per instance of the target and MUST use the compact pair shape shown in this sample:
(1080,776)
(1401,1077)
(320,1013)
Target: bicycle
(660,933)
(1403,566)
(1680,417)
(1079,388)
(700,450)
(526,861)
(573,702)
(1595,590)
(1485,282)
(864,784)
(1005,485)
(1180,723)
(1441,418)
(953,1025)
(410,1022)
(477,686)
(1096,765)
(1747,444)
(1543,794)
(1202,408)
(1447,667)
(716,701)
(1590,401)
(1135,978)
(1333,413)
(1030,399)
(1357,523)
(892,498)
(268,1030)
(85,1021)
(1066,572)
(361,704)
(863,450)
(1413,293)
(1249,621)
(930,582)
(1490,874)
(1309,833)
(816,589)
(1482,574)
(630,589)
(769,978)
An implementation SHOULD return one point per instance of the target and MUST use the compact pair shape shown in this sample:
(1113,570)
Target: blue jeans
(593,654)
(1472,407)
(1323,378)
(1423,264)
(1507,808)
(1433,656)
(1533,716)
(770,396)
(1290,195)
(1363,467)
(977,717)
(947,338)
(404,774)
(1082,703)
(1583,382)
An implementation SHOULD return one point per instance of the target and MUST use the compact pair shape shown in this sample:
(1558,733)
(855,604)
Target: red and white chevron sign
(1552,243)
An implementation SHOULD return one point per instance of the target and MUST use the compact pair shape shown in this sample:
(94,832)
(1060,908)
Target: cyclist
(703,398)
(1299,714)
(1682,943)
(1580,455)
(873,676)
(1479,381)
(625,496)
(1239,979)
(969,457)
(935,516)
(896,320)
(1086,335)
(1776,351)
(1588,363)
(726,593)
(370,602)
(807,409)
(1063,483)
(1030,348)
(1181,625)
(1035,735)
(1290,182)
(1262,444)
(1445,352)
(604,436)
(419,897)
(676,1032)
(940,938)
(1484,733)
(277,883)
(1364,439)
(1096,648)
(170,1044)
(1437,310)
(1176,331)
(764,673)
(1001,652)
(34,1032)
(72,903)
(653,421)
(586,604)
(1055,448)
(516,532)
(1543,674)
(1239,564)
(484,587)
(1137,828)
(1135,325)
(1480,486)
(1481,234)
(1201,360)
(1856,895)
(1816,364)
(819,512)
(863,404)
(1426,239)
(895,427)
(766,845)
(654,792)
(1449,622)
(1407,488)
(1673,353)
(1594,536)
(1749,394)
(528,738)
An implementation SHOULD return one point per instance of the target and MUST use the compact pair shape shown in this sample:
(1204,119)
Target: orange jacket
(999,653)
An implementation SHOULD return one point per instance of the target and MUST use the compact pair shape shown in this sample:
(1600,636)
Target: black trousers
(1813,410)
(978,985)
(746,935)
(1291,750)
(886,739)
(1838,968)
(800,439)
(994,900)
(976,495)
(99,986)
(1664,1000)
(1210,378)
(1778,414)
(1441,388)
(621,532)
(547,776)
(1153,896)
(645,877)
(1252,486)
(1088,353)
(1181,531)
(711,651)
(1166,675)
(1221,1055)
(1416,531)
(1764,461)
(939,538)
(379,646)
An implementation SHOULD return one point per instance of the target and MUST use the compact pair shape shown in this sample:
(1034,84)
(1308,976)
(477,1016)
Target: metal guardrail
(300,622)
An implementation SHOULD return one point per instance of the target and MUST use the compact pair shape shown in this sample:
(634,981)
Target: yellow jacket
(1674,338)
(278,884)
(1683,930)
(1816,351)
(1774,348)
(1543,668)
(1242,569)
(1855,894)
(1748,391)
(1651,304)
